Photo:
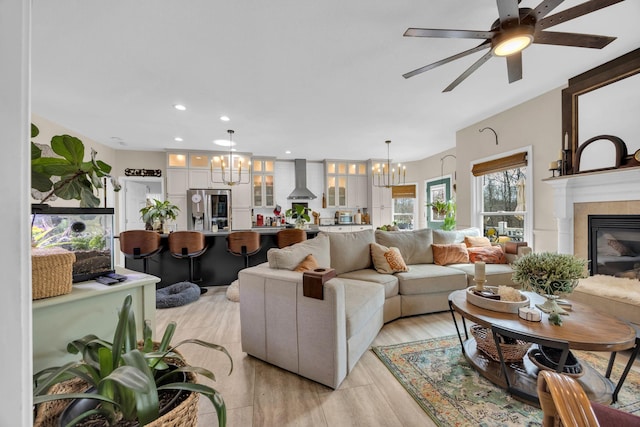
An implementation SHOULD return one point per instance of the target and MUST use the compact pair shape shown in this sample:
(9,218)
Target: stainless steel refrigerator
(208,209)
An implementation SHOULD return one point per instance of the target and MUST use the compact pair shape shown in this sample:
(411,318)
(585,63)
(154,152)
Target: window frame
(477,194)
(415,207)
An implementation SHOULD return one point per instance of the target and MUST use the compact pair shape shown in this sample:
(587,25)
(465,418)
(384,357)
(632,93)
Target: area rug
(452,393)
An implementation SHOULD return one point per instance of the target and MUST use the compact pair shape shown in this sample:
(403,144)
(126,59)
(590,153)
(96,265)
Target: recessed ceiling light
(178,139)
(287,152)
(179,107)
(225,118)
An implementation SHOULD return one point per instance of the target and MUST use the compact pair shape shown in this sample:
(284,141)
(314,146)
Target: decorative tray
(496,305)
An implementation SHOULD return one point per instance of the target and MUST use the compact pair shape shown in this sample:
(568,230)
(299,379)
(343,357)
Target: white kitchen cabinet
(361,227)
(241,218)
(177,181)
(180,200)
(344,228)
(240,193)
(263,182)
(199,178)
(357,189)
(381,215)
(346,184)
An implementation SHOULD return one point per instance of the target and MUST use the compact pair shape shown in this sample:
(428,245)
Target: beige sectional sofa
(323,339)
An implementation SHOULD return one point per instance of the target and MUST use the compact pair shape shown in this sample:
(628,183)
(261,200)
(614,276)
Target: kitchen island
(216,267)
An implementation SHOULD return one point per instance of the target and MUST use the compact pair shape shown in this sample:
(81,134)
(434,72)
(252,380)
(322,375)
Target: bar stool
(140,244)
(243,243)
(188,245)
(289,236)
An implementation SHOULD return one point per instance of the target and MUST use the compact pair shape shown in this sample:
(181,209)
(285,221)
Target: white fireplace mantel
(602,186)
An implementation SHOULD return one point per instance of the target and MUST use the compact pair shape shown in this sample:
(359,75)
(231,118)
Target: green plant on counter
(158,212)
(300,215)
(78,179)
(127,376)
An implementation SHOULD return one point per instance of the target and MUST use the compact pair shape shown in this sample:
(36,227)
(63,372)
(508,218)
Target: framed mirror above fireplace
(587,92)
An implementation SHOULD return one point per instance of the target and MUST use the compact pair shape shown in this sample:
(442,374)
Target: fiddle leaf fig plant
(77,179)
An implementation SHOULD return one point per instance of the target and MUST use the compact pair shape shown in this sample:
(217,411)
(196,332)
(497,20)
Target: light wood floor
(260,395)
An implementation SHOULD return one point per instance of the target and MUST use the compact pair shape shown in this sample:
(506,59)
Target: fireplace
(614,245)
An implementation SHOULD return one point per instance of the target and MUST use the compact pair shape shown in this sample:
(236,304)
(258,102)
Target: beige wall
(535,123)
(138,160)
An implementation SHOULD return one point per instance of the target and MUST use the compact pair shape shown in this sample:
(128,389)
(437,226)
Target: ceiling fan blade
(572,39)
(468,72)
(508,11)
(478,48)
(575,12)
(514,67)
(448,34)
(544,8)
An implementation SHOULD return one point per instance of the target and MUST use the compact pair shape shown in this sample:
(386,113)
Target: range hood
(301,192)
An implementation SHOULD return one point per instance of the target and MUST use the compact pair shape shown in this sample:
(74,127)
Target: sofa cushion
(389,281)
(496,274)
(444,237)
(362,300)
(450,254)
(288,258)
(387,260)
(350,251)
(414,245)
(431,278)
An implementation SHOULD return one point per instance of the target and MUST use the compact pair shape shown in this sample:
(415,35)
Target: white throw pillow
(288,258)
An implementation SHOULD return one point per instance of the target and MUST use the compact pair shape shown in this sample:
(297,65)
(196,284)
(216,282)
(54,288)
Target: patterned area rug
(437,376)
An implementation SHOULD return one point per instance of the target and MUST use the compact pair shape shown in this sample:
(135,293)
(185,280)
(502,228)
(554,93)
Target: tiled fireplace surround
(576,196)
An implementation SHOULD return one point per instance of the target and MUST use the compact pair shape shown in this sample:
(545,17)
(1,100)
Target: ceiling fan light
(513,44)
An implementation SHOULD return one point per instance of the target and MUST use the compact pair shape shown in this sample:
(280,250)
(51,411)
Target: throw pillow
(476,241)
(450,254)
(387,260)
(487,254)
(309,263)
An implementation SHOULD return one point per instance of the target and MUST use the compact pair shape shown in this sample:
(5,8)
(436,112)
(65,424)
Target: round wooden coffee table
(583,329)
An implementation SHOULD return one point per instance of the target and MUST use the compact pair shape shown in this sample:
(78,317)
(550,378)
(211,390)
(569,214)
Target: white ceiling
(320,78)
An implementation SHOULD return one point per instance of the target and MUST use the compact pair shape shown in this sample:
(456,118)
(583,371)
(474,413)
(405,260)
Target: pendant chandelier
(386,176)
(225,175)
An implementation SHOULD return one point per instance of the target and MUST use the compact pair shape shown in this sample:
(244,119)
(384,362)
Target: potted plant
(299,215)
(67,176)
(156,213)
(445,209)
(549,274)
(125,379)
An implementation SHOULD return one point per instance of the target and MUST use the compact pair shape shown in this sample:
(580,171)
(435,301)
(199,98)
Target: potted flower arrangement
(156,214)
(549,274)
(445,209)
(124,381)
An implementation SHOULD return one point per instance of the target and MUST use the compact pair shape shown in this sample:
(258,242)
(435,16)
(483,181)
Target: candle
(565,144)
(480,270)
(553,165)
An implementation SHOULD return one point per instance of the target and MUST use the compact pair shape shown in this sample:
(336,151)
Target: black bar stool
(140,244)
(243,243)
(188,245)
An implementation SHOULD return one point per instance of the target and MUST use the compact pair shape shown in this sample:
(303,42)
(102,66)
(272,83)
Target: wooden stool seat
(188,245)
(243,243)
(289,236)
(140,244)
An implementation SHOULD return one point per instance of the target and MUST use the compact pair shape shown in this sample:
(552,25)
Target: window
(502,197)
(404,206)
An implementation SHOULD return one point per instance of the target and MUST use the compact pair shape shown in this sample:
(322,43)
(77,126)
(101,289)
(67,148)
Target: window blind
(403,191)
(498,165)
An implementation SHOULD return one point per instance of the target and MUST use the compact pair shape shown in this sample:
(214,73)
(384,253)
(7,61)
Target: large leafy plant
(127,375)
(77,179)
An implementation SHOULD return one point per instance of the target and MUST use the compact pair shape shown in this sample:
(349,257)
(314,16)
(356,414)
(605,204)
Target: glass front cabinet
(346,184)
(263,175)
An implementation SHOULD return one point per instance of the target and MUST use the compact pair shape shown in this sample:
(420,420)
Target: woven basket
(510,352)
(183,415)
(52,272)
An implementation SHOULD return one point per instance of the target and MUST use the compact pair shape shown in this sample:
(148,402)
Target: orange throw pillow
(450,254)
(308,263)
(476,241)
(489,255)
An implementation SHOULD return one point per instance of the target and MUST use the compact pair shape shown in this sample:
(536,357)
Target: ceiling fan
(515,30)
